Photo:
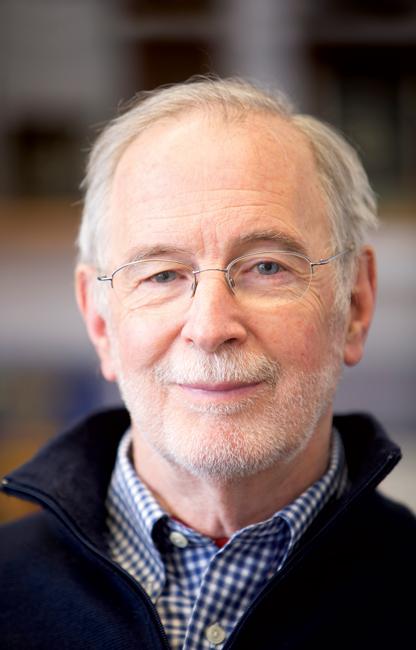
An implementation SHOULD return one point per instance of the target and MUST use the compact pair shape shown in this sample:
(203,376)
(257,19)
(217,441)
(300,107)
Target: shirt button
(215,634)
(178,539)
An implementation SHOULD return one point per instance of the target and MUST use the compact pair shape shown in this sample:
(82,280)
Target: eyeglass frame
(226,271)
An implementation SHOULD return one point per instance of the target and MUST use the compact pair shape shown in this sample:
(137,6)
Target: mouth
(219,392)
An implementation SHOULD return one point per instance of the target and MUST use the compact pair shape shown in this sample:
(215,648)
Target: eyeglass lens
(259,278)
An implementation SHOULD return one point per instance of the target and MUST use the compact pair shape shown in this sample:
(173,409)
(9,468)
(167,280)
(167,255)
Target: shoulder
(27,541)
(391,522)
(20,529)
(377,534)
(387,509)
(37,557)
(32,568)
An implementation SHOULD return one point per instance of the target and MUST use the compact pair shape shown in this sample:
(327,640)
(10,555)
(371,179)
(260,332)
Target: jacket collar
(71,474)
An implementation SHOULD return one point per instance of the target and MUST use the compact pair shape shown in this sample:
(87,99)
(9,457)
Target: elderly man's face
(218,388)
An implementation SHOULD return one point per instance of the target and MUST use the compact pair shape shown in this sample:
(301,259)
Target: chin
(231,440)
(228,447)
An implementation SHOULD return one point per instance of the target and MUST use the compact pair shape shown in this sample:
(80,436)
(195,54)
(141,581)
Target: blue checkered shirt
(201,591)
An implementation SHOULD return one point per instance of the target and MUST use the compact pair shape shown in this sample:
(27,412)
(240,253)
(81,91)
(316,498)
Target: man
(224,281)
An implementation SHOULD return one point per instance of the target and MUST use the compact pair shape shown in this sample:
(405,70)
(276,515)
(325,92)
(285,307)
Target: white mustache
(225,366)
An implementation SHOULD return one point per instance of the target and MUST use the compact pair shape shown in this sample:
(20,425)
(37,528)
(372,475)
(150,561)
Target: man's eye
(268,267)
(164,277)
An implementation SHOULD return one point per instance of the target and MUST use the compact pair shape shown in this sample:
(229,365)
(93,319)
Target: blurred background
(65,67)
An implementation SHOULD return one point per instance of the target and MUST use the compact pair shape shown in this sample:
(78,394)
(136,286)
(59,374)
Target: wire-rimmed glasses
(263,278)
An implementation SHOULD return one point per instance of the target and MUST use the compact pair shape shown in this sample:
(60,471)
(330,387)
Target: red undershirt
(218,541)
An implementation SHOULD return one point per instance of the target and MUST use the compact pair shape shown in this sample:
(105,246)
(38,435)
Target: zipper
(30,494)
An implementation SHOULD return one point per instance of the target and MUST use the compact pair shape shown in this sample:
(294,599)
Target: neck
(230,506)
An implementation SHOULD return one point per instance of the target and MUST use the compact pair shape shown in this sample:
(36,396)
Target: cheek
(143,342)
(298,342)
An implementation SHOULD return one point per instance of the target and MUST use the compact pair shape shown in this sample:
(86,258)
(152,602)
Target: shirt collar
(300,513)
(130,499)
(140,507)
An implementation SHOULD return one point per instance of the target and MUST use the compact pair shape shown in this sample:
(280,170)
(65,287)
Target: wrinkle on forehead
(169,145)
(199,169)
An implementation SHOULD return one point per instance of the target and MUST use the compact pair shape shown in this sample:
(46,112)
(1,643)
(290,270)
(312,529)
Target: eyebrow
(154,252)
(284,240)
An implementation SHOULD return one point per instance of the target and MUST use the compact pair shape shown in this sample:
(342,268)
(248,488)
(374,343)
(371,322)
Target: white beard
(227,442)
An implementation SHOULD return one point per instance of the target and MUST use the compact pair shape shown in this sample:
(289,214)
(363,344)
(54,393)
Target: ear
(363,296)
(96,323)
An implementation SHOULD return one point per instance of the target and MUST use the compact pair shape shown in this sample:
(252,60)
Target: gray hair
(351,202)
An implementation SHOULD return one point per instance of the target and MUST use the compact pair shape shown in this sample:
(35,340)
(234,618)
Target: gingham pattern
(200,586)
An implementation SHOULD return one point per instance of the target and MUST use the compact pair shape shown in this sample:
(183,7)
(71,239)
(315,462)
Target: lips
(222,387)
(221,393)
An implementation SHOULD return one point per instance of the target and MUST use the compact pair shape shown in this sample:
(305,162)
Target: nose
(214,316)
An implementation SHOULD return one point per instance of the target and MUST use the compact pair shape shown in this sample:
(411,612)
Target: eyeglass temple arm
(105,278)
(327,260)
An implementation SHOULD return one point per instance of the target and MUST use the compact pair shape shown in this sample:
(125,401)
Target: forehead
(201,182)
